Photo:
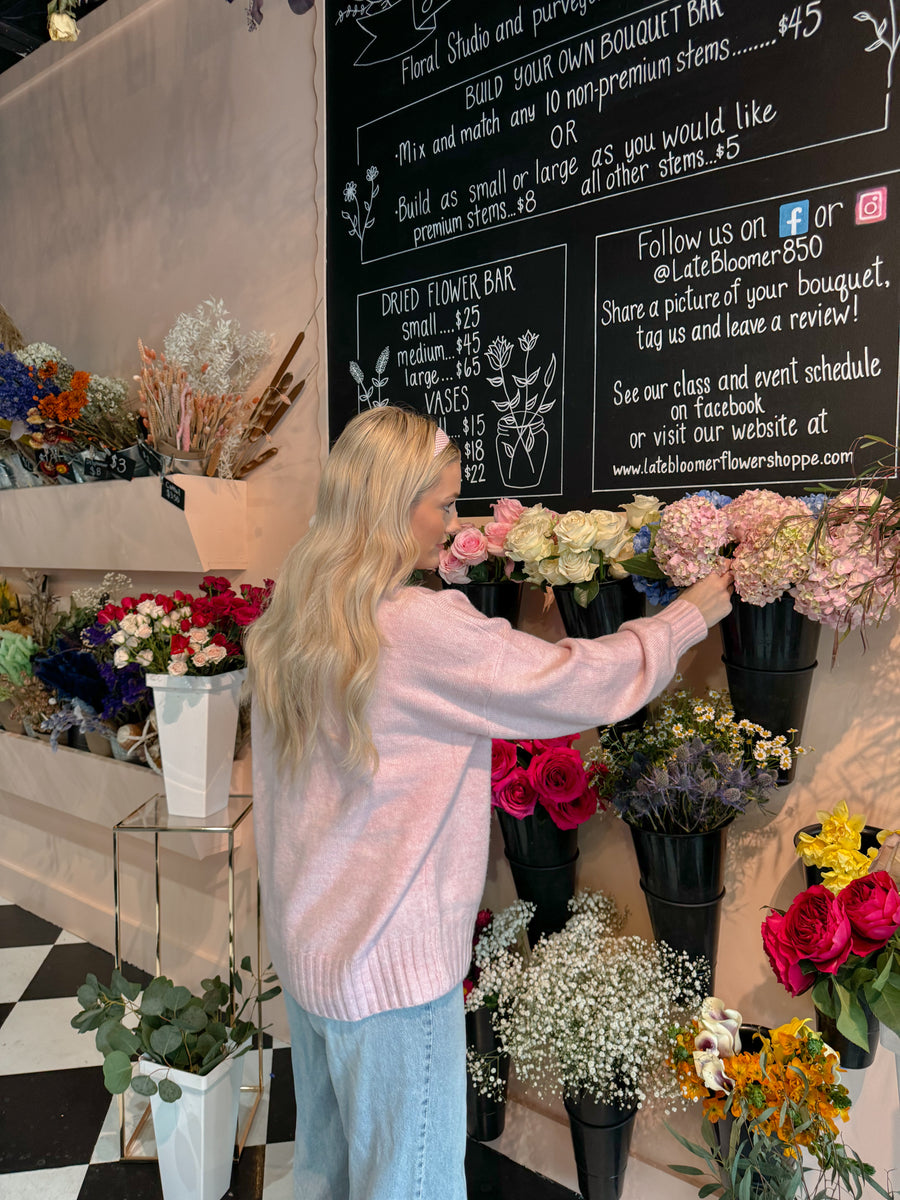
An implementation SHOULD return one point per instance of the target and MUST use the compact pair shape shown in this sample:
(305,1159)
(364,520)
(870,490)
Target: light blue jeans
(381,1103)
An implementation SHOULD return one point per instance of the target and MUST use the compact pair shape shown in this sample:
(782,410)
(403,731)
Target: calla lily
(724,1024)
(709,1067)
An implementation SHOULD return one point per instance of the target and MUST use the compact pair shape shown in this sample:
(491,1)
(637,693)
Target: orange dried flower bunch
(67,405)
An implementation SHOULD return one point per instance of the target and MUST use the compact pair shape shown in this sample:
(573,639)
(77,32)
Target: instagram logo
(871,205)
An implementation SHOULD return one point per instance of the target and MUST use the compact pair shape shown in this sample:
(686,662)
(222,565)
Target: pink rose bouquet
(846,947)
(476,555)
(546,771)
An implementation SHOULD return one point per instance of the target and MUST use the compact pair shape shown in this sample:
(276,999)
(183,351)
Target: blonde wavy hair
(314,651)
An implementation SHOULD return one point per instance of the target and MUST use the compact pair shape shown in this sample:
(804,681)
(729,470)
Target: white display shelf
(118,526)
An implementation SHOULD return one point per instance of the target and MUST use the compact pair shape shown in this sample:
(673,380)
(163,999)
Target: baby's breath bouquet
(590,1012)
(691,768)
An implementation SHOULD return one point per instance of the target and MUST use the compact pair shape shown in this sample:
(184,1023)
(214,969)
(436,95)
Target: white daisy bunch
(595,1012)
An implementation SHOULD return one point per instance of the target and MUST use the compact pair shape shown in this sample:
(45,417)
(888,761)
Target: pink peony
(516,794)
(872,905)
(450,569)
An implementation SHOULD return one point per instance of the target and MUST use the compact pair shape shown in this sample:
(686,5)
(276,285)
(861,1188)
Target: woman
(374,708)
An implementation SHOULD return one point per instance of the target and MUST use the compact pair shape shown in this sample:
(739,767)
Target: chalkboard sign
(613,247)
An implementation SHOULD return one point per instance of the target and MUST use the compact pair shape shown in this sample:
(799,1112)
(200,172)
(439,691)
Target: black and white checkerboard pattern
(59,1130)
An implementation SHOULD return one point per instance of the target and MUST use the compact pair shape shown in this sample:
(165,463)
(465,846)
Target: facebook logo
(793,218)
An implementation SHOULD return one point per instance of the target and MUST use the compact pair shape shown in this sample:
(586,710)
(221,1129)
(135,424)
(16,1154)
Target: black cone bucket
(485,1115)
(550,889)
(693,928)
(853,1057)
(776,700)
(493,599)
(537,841)
(685,867)
(771,637)
(617,601)
(601,1140)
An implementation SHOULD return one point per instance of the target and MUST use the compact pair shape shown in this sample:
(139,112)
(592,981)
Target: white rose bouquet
(579,548)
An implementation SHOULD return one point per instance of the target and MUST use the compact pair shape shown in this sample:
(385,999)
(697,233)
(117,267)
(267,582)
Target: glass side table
(152,817)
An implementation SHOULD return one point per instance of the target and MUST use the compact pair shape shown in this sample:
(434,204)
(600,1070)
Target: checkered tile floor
(59,1136)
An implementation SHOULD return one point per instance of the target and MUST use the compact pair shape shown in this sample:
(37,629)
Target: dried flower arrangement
(191,396)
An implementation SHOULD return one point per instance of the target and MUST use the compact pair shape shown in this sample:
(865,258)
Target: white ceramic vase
(197,717)
(195,1134)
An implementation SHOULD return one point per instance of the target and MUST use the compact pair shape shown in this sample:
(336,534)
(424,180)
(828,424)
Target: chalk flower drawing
(890,43)
(522,437)
(361,219)
(379,379)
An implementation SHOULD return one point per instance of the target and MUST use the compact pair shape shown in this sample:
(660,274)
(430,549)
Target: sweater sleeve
(499,682)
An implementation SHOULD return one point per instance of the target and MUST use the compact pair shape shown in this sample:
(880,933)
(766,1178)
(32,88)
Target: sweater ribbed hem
(398,973)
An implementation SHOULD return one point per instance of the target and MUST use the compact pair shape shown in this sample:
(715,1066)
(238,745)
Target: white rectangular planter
(197,719)
(195,1134)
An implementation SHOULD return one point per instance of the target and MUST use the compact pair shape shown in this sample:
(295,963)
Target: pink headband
(441,441)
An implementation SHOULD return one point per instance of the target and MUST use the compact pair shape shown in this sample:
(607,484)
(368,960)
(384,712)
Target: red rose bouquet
(181,634)
(846,947)
(546,772)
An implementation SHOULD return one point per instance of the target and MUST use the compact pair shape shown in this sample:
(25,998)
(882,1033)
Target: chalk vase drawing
(521,453)
(522,437)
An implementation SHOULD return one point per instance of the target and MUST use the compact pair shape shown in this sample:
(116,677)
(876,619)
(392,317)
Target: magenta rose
(872,905)
(557,775)
(503,759)
(785,964)
(575,812)
(469,546)
(516,794)
(817,928)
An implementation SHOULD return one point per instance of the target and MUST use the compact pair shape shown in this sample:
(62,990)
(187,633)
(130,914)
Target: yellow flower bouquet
(841,847)
(766,1096)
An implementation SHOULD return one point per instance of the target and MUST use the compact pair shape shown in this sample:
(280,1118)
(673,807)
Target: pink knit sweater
(371,886)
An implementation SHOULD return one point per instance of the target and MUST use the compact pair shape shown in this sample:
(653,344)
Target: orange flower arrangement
(67,405)
(779,1095)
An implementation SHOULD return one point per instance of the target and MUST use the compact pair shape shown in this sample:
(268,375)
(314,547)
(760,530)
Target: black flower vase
(770,656)
(542,858)
(485,1115)
(868,840)
(682,878)
(616,602)
(853,1057)
(501,599)
(601,1140)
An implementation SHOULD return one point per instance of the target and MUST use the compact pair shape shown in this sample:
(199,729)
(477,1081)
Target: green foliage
(171,1027)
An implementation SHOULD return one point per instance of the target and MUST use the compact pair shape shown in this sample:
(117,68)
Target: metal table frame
(153,817)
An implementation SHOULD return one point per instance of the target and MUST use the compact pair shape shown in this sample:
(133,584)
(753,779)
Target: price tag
(96,468)
(173,493)
(150,457)
(121,467)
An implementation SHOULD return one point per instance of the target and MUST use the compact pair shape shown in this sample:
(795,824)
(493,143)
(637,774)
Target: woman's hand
(712,596)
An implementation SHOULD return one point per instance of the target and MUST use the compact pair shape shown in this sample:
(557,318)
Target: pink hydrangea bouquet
(812,549)
(546,772)
(476,554)
(578,548)
(181,634)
